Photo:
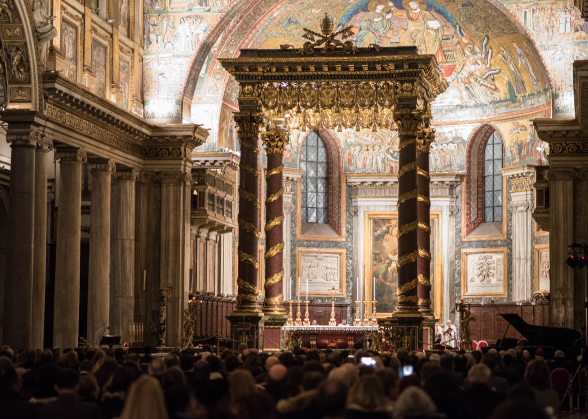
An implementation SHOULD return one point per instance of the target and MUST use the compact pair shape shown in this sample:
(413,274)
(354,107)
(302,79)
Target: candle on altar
(374,290)
(298,293)
(357,281)
(306,288)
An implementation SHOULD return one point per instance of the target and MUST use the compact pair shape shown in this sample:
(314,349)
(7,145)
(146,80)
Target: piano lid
(542,335)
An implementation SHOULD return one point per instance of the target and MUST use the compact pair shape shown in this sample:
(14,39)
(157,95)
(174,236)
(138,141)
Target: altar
(330,337)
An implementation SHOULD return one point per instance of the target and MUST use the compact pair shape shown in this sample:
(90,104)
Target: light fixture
(110,21)
(96,11)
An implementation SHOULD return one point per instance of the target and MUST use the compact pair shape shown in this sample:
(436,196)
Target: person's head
(428,369)
(414,6)
(201,370)
(331,398)
(173,377)
(492,359)
(367,393)
(157,368)
(145,400)
(389,378)
(414,402)
(133,359)
(67,381)
(8,376)
(231,363)
(537,375)
(480,374)
(88,388)
(270,362)
(446,362)
(519,409)
(119,354)
(559,354)
(172,360)
(242,386)
(402,356)
(448,322)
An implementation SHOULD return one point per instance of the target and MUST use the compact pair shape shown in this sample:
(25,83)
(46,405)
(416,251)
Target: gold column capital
(409,122)
(424,140)
(274,140)
(249,123)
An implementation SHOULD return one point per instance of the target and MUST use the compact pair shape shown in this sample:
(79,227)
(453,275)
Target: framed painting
(323,268)
(484,272)
(381,255)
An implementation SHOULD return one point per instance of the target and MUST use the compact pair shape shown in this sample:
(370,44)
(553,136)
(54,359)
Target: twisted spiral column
(249,206)
(424,140)
(408,127)
(274,141)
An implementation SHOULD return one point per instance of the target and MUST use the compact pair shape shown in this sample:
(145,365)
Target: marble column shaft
(274,142)
(67,264)
(408,126)
(18,291)
(248,216)
(99,269)
(175,248)
(40,259)
(424,141)
(122,286)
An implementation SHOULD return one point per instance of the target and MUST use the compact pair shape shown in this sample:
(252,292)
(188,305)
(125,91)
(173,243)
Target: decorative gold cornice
(252,171)
(274,251)
(407,168)
(274,140)
(406,197)
(248,227)
(423,280)
(274,171)
(275,196)
(424,253)
(406,259)
(249,197)
(274,222)
(407,287)
(247,258)
(274,279)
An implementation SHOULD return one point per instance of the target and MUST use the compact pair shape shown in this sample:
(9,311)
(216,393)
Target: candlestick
(357,321)
(333,321)
(374,320)
(366,320)
(306,319)
(290,320)
(298,319)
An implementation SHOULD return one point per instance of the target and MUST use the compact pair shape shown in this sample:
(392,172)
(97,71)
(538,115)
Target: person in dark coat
(11,405)
(480,400)
(67,405)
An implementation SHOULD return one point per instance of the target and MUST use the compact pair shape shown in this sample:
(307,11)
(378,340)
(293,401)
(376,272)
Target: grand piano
(550,339)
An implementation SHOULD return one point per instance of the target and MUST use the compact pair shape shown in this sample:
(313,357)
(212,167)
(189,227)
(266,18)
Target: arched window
(493,162)
(313,162)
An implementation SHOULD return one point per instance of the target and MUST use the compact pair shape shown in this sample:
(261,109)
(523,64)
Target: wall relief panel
(484,272)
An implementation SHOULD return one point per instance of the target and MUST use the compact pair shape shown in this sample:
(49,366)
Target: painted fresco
(124,81)
(69,49)
(123,16)
(173,31)
(99,67)
(227,130)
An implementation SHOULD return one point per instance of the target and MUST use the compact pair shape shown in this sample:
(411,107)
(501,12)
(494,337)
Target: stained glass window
(493,162)
(313,162)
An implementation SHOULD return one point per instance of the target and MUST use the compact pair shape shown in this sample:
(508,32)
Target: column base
(245,328)
(403,330)
(273,338)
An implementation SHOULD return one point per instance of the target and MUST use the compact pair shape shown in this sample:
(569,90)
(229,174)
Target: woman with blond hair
(145,400)
(366,399)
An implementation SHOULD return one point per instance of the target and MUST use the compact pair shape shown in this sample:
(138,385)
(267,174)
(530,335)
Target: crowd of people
(95,383)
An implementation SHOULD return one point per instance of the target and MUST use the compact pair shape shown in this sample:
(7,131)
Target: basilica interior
(153,165)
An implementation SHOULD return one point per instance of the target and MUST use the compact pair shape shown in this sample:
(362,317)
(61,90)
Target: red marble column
(274,141)
(424,140)
(249,206)
(408,126)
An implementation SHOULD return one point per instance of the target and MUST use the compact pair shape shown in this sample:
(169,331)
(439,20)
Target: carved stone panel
(542,267)
(484,272)
(323,268)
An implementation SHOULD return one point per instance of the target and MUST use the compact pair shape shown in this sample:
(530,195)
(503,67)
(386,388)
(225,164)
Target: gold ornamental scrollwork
(424,253)
(424,302)
(407,287)
(406,197)
(407,228)
(424,226)
(406,143)
(274,279)
(423,280)
(275,196)
(406,259)
(251,170)
(248,227)
(249,197)
(423,198)
(405,299)
(247,288)
(407,168)
(278,299)
(424,173)
(274,222)
(274,250)
(251,147)
(247,258)
(274,171)
(327,40)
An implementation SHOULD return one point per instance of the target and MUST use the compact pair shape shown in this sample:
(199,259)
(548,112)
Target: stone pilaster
(18,291)
(274,141)
(449,264)
(248,217)
(226,263)
(409,126)
(175,248)
(520,206)
(67,264)
(289,208)
(40,260)
(99,270)
(424,140)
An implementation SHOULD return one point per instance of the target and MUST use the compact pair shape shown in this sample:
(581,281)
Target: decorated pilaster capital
(44,144)
(453,210)
(71,154)
(520,206)
(408,122)
(353,210)
(23,137)
(289,186)
(249,124)
(424,140)
(127,174)
(521,182)
(274,140)
(101,165)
